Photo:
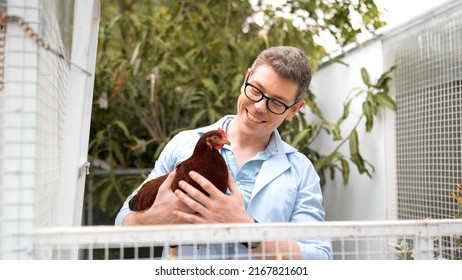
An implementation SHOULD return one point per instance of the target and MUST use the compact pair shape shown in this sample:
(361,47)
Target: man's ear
(294,110)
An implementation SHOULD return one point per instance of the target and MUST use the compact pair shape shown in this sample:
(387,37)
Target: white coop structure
(45,108)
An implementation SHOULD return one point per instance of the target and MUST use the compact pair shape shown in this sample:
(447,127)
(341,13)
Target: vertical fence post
(77,122)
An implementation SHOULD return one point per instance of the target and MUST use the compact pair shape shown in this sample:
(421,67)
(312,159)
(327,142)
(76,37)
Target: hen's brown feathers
(205,160)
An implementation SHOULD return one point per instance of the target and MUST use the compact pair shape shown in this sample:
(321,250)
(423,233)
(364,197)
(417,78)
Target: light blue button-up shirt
(279,184)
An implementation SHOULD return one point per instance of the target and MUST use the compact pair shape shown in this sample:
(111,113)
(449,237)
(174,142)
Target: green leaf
(346,112)
(122,126)
(198,115)
(212,114)
(104,197)
(385,100)
(384,78)
(345,170)
(367,110)
(333,157)
(318,165)
(365,76)
(100,136)
(135,53)
(359,162)
(210,85)
(338,60)
(336,133)
(180,62)
(313,108)
(300,136)
(354,142)
(355,156)
(332,172)
(117,152)
(382,82)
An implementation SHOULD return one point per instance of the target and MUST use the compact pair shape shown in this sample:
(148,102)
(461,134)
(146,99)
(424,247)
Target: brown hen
(205,160)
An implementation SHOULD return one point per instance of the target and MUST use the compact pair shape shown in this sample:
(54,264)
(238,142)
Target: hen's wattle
(205,160)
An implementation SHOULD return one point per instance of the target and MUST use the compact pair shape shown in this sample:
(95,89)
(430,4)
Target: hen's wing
(146,195)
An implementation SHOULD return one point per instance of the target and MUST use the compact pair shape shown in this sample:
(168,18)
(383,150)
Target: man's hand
(161,210)
(216,208)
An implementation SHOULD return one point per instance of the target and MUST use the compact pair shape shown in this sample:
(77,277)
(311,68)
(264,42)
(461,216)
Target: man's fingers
(188,199)
(204,183)
(188,217)
(169,180)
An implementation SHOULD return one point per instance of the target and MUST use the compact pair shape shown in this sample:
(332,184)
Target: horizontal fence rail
(404,239)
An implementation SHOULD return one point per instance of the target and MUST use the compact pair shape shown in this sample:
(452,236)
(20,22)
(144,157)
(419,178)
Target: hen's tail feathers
(132,204)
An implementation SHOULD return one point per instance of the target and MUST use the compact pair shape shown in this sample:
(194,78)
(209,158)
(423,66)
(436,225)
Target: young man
(270,181)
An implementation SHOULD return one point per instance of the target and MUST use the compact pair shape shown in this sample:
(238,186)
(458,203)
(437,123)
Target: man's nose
(260,106)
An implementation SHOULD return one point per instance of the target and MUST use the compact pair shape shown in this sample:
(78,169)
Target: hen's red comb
(222,133)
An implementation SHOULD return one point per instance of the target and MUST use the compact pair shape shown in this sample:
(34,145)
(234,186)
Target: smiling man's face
(254,118)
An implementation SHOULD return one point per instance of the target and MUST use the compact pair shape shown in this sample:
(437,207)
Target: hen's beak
(224,141)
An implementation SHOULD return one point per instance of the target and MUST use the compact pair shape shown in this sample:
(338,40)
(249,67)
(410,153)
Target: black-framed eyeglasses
(256,95)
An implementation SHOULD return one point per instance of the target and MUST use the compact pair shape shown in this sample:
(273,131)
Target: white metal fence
(380,240)
(428,92)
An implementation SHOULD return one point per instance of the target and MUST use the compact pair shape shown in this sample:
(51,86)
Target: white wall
(19,127)
(363,198)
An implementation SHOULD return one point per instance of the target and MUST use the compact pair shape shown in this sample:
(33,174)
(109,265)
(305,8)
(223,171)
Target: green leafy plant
(301,134)
(404,251)
(453,248)
(458,197)
(456,241)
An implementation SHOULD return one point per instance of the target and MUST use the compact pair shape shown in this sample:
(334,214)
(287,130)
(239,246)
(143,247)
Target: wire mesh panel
(51,109)
(428,88)
(32,106)
(428,239)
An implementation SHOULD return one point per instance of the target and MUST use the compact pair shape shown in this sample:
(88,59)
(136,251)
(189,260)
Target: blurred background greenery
(166,66)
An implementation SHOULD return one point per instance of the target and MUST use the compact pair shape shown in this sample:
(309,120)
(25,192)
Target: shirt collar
(272,147)
(276,145)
